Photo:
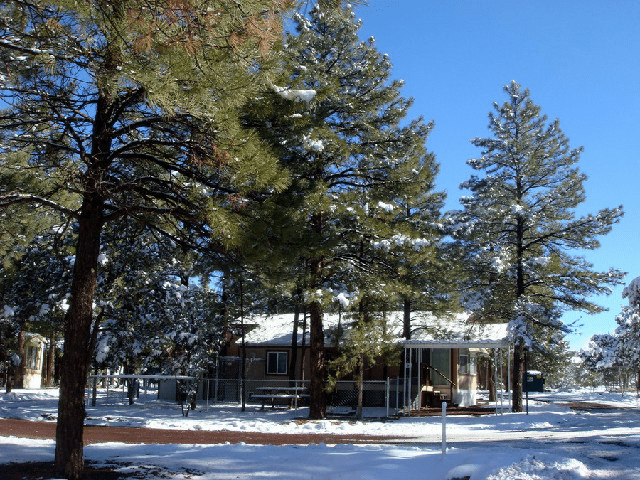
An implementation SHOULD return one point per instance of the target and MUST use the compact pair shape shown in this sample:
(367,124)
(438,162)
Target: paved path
(97,434)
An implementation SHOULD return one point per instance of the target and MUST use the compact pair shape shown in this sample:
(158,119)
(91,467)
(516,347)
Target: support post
(398,392)
(526,379)
(444,428)
(509,385)
(410,379)
(208,394)
(496,378)
(215,383)
(406,382)
(386,388)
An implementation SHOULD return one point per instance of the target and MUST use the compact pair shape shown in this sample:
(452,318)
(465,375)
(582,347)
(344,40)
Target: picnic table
(272,394)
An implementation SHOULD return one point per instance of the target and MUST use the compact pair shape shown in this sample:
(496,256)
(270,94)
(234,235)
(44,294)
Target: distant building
(34,348)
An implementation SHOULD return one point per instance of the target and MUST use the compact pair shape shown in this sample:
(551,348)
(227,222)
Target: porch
(445,371)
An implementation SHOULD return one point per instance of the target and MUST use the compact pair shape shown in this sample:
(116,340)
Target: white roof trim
(455,344)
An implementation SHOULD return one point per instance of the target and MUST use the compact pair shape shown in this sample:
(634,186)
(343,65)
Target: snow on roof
(428,331)
(455,331)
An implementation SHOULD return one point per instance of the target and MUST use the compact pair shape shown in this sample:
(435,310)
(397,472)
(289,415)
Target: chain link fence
(122,389)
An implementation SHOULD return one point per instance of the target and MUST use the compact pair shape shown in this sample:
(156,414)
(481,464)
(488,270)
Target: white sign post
(444,428)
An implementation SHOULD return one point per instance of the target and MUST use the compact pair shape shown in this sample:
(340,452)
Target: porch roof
(456,344)
(457,332)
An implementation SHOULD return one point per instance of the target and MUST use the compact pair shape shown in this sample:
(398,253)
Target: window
(467,361)
(277,363)
(32,358)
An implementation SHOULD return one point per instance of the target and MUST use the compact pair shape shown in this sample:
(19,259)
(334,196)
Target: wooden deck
(436,411)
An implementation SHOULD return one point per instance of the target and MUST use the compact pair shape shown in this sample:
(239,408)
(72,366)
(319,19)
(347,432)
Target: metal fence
(387,394)
(141,389)
(114,389)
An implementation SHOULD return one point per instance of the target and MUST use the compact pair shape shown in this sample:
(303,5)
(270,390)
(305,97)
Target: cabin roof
(428,330)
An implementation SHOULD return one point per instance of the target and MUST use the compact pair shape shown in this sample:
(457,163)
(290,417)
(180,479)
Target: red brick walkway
(95,434)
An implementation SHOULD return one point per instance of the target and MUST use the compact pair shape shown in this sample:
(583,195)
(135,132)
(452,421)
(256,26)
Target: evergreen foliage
(601,351)
(34,287)
(551,356)
(362,340)
(130,107)
(628,331)
(154,314)
(145,144)
(622,348)
(519,227)
(338,124)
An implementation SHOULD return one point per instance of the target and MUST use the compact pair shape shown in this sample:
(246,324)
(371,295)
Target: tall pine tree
(130,105)
(339,125)
(628,331)
(520,231)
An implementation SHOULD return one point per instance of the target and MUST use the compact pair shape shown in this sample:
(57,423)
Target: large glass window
(440,361)
(277,363)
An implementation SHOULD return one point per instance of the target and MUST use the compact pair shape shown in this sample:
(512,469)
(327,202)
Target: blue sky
(581,61)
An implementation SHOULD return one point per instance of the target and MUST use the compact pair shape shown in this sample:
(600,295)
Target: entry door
(440,361)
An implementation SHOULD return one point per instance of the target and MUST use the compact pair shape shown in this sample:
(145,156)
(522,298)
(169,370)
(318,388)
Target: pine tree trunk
(77,340)
(407,319)
(317,402)
(518,350)
(51,359)
(317,393)
(360,387)
(518,363)
(303,345)
(294,344)
(129,370)
(243,347)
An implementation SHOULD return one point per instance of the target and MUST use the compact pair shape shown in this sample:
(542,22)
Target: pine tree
(34,285)
(337,121)
(130,106)
(520,230)
(628,331)
(155,305)
(601,356)
(363,339)
(551,356)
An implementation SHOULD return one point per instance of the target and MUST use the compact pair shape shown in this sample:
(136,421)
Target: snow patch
(295,95)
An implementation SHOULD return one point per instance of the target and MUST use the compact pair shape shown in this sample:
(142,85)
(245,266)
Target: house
(34,347)
(437,363)
(443,353)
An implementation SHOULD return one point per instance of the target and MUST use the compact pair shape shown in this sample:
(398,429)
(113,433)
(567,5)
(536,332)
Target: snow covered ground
(552,442)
